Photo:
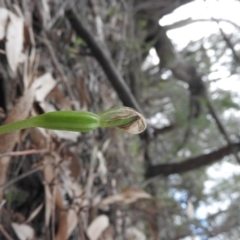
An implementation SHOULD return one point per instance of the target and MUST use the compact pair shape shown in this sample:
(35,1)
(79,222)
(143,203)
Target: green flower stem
(61,120)
(121,117)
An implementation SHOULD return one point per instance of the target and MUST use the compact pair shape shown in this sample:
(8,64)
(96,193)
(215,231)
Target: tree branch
(228,42)
(222,129)
(104,60)
(188,73)
(107,64)
(188,21)
(191,163)
(163,130)
(157,9)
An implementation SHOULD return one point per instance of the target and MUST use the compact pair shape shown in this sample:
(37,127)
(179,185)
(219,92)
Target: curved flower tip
(138,125)
(124,118)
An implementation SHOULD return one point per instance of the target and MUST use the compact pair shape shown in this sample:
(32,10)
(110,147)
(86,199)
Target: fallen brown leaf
(127,196)
(4,14)
(96,228)
(23,231)
(14,44)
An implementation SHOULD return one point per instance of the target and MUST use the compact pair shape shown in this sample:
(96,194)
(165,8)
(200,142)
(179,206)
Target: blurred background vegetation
(177,62)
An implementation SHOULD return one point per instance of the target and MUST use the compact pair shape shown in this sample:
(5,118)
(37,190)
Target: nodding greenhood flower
(124,118)
(121,117)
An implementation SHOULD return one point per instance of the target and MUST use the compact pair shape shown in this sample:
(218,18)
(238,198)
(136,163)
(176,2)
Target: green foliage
(143,23)
(80,42)
(110,12)
(134,146)
(225,100)
(14,196)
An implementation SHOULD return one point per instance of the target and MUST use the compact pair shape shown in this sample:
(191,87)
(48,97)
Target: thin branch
(221,78)
(193,163)
(57,16)
(188,73)
(81,228)
(191,116)
(188,21)
(4,232)
(222,129)
(57,65)
(90,181)
(22,153)
(14,180)
(228,42)
(104,60)
(168,128)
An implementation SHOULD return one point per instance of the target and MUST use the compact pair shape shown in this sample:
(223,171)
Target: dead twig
(57,65)
(58,15)
(90,181)
(80,228)
(6,235)
(25,152)
(14,180)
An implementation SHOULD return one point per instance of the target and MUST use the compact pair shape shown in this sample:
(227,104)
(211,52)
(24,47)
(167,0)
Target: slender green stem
(11,127)
(61,120)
